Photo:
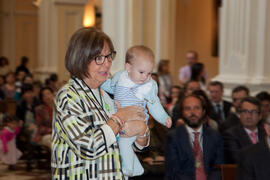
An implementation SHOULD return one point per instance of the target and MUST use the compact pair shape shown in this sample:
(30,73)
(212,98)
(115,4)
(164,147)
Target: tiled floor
(21,174)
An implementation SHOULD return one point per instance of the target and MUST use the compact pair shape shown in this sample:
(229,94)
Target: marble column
(244,45)
(126,23)
(117,24)
(58,20)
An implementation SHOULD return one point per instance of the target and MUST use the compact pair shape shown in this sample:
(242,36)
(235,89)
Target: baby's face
(140,69)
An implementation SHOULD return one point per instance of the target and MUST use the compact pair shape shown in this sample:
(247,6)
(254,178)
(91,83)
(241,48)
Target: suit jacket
(226,110)
(231,121)
(235,139)
(179,155)
(254,162)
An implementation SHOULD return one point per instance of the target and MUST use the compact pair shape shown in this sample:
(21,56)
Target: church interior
(230,37)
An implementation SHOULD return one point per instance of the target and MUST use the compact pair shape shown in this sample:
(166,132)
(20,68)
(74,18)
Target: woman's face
(28,80)
(99,73)
(10,78)
(47,97)
(165,68)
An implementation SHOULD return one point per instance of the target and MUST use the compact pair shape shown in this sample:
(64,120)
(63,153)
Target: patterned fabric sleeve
(74,122)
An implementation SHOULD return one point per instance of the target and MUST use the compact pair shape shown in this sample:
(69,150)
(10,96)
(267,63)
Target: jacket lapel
(243,136)
(261,134)
(186,142)
(206,145)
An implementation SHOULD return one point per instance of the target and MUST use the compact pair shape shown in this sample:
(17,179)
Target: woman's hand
(124,115)
(129,113)
(134,128)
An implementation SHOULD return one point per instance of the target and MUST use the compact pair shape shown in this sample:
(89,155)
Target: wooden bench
(228,171)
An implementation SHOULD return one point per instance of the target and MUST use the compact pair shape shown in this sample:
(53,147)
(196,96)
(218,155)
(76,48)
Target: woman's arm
(75,122)
(83,128)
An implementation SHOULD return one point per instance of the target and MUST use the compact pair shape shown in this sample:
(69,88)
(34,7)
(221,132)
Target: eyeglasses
(253,112)
(100,59)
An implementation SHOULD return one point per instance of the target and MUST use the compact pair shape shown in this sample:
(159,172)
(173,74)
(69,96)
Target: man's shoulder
(234,131)
(233,116)
(211,132)
(255,149)
(174,133)
(227,103)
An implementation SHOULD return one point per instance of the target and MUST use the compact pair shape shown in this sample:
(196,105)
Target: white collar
(220,103)
(249,131)
(191,131)
(142,90)
(125,81)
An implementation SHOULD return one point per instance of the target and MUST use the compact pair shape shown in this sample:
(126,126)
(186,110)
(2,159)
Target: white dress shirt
(191,135)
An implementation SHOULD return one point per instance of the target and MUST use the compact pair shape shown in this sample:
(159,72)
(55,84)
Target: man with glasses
(185,72)
(238,93)
(264,98)
(254,161)
(245,134)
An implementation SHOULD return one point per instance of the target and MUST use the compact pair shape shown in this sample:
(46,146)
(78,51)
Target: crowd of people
(208,131)
(32,113)
(136,122)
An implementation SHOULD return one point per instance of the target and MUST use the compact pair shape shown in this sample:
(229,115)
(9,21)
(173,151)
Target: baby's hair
(135,50)
(8,119)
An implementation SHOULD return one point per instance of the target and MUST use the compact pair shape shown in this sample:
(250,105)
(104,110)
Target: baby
(134,86)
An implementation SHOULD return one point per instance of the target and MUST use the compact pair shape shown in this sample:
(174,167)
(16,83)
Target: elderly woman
(85,123)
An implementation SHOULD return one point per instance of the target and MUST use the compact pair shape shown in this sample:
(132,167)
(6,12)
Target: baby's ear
(128,67)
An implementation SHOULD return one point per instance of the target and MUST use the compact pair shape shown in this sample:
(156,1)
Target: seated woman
(25,112)
(43,115)
(9,88)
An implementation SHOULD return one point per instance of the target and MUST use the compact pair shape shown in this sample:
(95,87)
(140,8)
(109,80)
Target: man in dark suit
(245,134)
(264,98)
(238,93)
(220,106)
(193,149)
(254,161)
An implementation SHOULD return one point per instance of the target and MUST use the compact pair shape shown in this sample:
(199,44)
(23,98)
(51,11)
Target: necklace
(94,99)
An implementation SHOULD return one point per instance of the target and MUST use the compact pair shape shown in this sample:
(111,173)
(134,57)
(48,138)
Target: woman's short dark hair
(84,45)
(161,63)
(41,92)
(196,70)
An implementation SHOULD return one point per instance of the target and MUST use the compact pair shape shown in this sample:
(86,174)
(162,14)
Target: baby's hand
(168,122)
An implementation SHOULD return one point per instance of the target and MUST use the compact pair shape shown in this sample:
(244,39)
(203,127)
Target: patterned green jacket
(83,146)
